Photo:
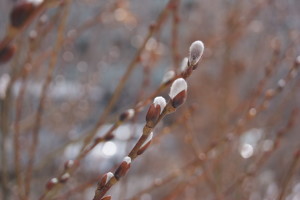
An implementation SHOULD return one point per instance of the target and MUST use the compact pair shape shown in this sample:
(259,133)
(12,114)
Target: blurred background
(236,137)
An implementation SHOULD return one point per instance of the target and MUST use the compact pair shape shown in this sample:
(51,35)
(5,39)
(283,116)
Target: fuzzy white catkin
(65,176)
(161,102)
(35,2)
(127,159)
(54,180)
(178,86)
(298,60)
(196,51)
(4,82)
(70,163)
(184,64)
(149,138)
(281,83)
(109,175)
(168,76)
(130,113)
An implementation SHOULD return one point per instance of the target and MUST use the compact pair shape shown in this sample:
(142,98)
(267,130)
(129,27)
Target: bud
(35,2)
(7,53)
(161,102)
(155,109)
(43,20)
(33,35)
(51,183)
(297,154)
(4,83)
(184,64)
(127,115)
(196,51)
(64,178)
(146,144)
(270,93)
(106,198)
(69,164)
(281,84)
(168,76)
(178,92)
(123,168)
(127,159)
(298,60)
(20,13)
(104,180)
(252,112)
(109,137)
(188,71)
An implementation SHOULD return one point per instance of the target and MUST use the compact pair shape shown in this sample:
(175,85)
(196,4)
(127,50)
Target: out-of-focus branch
(40,109)
(290,172)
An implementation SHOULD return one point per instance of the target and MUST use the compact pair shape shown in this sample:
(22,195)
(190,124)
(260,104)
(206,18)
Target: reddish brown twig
(52,64)
(290,172)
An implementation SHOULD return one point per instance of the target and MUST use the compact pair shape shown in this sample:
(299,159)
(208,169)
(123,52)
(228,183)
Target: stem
(162,17)
(40,109)
(4,132)
(289,176)
(100,192)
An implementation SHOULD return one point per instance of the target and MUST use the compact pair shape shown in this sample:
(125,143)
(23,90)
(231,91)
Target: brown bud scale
(7,53)
(122,170)
(153,113)
(20,13)
(179,99)
(143,149)
(106,198)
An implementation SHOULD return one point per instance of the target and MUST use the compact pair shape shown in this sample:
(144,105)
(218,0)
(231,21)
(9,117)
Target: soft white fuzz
(109,175)
(130,113)
(35,2)
(169,75)
(4,82)
(196,51)
(298,60)
(184,64)
(149,138)
(281,83)
(65,176)
(161,102)
(54,180)
(70,163)
(127,159)
(178,86)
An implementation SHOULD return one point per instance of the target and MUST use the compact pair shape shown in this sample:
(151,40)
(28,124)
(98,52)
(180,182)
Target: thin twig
(40,109)
(290,173)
